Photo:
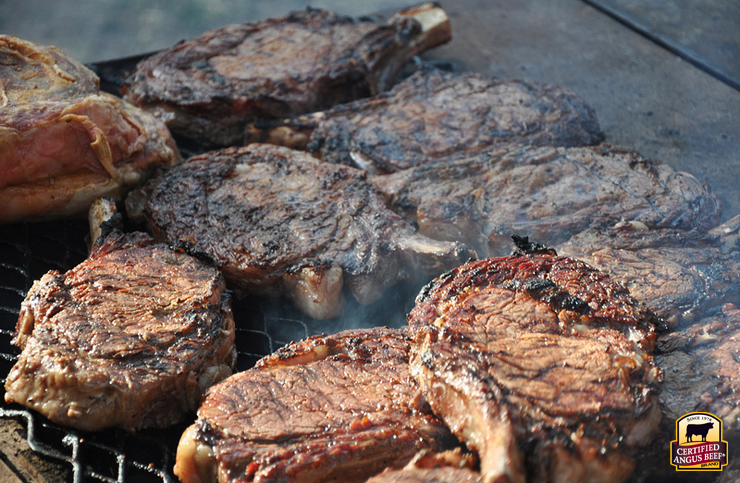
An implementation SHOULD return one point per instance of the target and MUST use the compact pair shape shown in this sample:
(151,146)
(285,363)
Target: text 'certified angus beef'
(330,408)
(545,193)
(276,220)
(209,87)
(63,143)
(541,364)
(433,115)
(130,338)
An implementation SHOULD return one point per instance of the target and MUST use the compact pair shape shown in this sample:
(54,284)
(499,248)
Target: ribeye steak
(277,220)
(330,408)
(541,364)
(209,87)
(130,338)
(434,114)
(548,194)
(63,143)
(679,274)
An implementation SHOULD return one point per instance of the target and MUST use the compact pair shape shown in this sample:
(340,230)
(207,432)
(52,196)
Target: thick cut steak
(130,338)
(330,408)
(63,143)
(277,220)
(209,87)
(433,115)
(451,466)
(680,275)
(548,194)
(541,364)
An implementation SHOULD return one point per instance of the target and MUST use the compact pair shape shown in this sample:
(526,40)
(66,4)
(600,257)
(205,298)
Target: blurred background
(91,30)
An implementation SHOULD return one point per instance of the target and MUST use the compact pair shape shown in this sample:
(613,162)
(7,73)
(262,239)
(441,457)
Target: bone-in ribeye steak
(548,194)
(277,220)
(680,275)
(209,87)
(341,407)
(63,143)
(541,364)
(434,114)
(130,338)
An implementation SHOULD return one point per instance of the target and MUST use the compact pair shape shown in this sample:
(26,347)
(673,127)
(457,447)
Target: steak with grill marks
(330,408)
(209,87)
(63,143)
(433,115)
(130,338)
(541,364)
(546,193)
(276,220)
(680,275)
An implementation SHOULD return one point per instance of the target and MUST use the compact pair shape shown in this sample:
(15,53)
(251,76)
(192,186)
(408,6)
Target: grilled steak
(434,114)
(276,220)
(64,143)
(548,194)
(448,467)
(701,369)
(209,87)
(330,408)
(427,475)
(541,364)
(680,275)
(130,338)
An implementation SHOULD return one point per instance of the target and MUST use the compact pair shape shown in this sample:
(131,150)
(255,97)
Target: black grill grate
(27,251)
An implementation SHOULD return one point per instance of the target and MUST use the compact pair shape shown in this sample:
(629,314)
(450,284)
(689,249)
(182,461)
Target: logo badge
(699,445)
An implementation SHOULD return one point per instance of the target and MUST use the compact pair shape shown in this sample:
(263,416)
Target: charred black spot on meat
(524,246)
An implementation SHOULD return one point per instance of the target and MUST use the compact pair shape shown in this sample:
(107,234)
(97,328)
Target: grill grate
(27,251)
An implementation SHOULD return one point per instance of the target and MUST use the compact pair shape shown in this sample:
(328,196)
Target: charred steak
(277,220)
(63,143)
(546,193)
(209,87)
(330,408)
(130,338)
(541,364)
(434,114)
(680,275)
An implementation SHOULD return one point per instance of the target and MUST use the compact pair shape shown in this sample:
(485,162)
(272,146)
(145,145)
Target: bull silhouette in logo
(698,430)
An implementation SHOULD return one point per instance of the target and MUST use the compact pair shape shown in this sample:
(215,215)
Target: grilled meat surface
(451,466)
(130,338)
(680,275)
(434,114)
(541,364)
(277,220)
(330,408)
(209,87)
(63,143)
(702,368)
(546,193)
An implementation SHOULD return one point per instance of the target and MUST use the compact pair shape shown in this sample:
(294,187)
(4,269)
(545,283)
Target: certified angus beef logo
(698,445)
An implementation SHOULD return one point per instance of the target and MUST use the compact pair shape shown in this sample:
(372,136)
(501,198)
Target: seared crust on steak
(130,338)
(209,87)
(330,408)
(63,143)
(680,275)
(433,115)
(277,220)
(546,193)
(541,364)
